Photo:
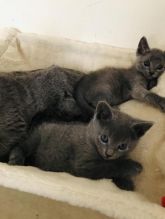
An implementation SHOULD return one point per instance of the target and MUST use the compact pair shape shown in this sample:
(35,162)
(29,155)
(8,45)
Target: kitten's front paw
(16,157)
(152,83)
(17,161)
(130,168)
(162,104)
(135,169)
(125,184)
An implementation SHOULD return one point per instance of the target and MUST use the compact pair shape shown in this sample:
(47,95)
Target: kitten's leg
(120,171)
(152,83)
(124,183)
(16,156)
(13,128)
(120,168)
(140,93)
(128,168)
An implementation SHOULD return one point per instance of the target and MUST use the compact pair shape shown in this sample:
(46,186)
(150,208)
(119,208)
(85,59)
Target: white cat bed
(22,51)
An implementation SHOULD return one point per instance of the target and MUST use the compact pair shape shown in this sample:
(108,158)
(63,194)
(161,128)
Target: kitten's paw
(135,169)
(130,168)
(16,157)
(125,184)
(162,104)
(152,83)
(14,161)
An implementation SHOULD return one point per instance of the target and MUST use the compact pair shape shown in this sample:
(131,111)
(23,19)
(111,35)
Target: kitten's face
(114,133)
(150,62)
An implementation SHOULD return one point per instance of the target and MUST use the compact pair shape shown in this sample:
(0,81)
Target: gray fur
(26,98)
(79,149)
(117,85)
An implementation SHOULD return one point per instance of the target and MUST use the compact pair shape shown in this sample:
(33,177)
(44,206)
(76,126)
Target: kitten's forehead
(120,133)
(119,128)
(155,55)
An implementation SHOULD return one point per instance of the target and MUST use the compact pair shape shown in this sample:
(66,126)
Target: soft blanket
(22,51)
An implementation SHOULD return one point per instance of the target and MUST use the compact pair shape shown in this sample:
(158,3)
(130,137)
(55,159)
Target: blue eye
(146,63)
(122,147)
(104,139)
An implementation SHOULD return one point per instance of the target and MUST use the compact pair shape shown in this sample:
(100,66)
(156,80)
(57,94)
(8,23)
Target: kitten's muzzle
(151,75)
(109,153)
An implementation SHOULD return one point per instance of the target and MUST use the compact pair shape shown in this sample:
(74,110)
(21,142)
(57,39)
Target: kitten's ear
(140,128)
(103,111)
(143,47)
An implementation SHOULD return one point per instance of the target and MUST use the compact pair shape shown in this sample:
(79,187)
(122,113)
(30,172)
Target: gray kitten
(26,98)
(117,85)
(94,150)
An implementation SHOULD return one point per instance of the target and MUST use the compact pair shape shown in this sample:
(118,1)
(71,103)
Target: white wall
(116,22)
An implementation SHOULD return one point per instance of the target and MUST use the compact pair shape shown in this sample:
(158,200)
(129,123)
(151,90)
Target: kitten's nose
(109,153)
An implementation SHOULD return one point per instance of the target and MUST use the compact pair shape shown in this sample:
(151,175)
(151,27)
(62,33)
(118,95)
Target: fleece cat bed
(23,51)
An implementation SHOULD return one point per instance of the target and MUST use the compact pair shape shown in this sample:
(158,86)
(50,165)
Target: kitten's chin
(151,77)
(148,76)
(109,157)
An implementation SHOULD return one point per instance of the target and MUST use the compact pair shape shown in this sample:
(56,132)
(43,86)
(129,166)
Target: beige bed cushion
(22,51)
(25,205)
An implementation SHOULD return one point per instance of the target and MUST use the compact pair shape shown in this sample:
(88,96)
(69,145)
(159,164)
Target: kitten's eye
(122,147)
(104,139)
(159,67)
(146,63)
